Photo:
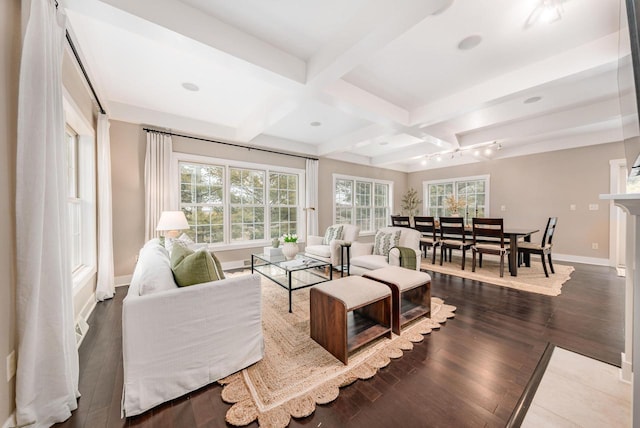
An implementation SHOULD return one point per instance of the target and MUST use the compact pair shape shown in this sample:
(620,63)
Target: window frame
(86,188)
(454,181)
(372,206)
(227,164)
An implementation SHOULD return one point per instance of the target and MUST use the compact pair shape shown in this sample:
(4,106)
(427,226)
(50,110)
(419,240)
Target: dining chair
(452,237)
(427,227)
(544,248)
(488,238)
(400,221)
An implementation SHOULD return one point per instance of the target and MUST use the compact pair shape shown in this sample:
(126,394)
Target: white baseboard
(121,281)
(11,422)
(626,372)
(81,324)
(580,259)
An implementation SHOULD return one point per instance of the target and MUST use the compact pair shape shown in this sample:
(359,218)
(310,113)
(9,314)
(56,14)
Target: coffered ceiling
(375,82)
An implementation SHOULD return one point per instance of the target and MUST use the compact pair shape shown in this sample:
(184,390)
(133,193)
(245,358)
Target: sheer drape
(157,183)
(312,197)
(47,372)
(105,287)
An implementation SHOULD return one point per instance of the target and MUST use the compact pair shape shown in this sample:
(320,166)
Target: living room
(544,157)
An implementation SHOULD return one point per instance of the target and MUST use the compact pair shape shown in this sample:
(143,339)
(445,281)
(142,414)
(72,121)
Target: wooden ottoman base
(348,313)
(410,291)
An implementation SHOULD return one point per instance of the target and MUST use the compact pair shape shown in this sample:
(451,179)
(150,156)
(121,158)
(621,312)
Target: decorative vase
(275,242)
(290,249)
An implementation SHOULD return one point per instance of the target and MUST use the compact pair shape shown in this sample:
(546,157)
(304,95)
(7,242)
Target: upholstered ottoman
(410,291)
(348,313)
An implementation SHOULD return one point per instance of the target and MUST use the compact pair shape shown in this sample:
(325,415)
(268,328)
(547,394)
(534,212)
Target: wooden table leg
(513,255)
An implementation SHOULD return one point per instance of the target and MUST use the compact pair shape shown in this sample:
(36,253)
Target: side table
(343,246)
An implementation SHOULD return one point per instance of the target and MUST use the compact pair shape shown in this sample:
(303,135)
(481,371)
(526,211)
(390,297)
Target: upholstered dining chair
(452,237)
(400,221)
(427,227)
(544,248)
(488,238)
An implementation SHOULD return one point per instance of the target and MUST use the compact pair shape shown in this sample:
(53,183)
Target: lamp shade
(172,220)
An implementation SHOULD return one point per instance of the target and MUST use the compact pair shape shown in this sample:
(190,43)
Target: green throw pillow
(191,268)
(384,242)
(333,232)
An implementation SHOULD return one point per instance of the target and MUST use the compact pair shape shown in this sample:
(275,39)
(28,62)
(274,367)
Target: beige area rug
(296,373)
(530,279)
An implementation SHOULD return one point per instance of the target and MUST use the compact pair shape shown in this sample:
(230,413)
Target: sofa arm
(179,340)
(394,257)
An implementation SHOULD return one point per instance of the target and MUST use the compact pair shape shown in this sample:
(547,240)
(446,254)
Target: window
(471,195)
(229,203)
(81,187)
(362,201)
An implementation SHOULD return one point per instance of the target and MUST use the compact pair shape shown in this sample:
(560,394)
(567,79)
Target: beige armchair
(331,252)
(363,259)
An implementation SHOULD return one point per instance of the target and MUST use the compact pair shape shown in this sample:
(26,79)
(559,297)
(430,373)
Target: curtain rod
(229,144)
(79,61)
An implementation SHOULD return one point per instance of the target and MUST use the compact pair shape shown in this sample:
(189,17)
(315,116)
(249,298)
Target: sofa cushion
(333,232)
(323,251)
(370,262)
(385,241)
(191,268)
(153,270)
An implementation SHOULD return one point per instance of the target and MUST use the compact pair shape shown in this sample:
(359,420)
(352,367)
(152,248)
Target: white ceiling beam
(227,44)
(266,114)
(404,154)
(588,56)
(357,138)
(133,114)
(545,124)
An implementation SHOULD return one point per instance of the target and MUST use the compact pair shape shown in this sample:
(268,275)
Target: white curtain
(105,288)
(312,197)
(157,182)
(47,372)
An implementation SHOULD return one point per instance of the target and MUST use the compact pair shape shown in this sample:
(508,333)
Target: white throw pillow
(333,232)
(384,242)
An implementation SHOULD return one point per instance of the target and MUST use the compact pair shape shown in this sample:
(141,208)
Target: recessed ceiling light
(190,86)
(488,151)
(469,42)
(532,100)
(439,158)
(315,123)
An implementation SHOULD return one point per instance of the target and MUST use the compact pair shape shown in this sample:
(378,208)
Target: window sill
(81,277)
(243,245)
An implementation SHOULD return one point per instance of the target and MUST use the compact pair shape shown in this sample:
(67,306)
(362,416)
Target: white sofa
(363,259)
(331,252)
(176,340)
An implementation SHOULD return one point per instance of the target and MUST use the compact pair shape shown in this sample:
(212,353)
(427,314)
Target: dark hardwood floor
(471,373)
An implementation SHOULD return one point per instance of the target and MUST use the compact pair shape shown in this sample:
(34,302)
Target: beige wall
(127,182)
(9,69)
(535,187)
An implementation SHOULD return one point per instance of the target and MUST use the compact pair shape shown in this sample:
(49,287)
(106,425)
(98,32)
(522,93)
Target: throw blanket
(407,257)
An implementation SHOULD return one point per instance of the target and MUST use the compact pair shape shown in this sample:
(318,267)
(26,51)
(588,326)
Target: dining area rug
(531,279)
(296,373)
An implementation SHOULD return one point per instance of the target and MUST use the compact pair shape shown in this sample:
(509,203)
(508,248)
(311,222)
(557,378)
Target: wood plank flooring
(469,374)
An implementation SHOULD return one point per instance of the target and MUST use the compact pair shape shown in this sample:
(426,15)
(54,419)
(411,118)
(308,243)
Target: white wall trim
(121,281)
(597,261)
(11,421)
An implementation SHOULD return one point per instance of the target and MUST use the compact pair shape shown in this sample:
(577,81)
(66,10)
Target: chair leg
(433,256)
(550,263)
(480,259)
(463,258)
(442,254)
(501,265)
(473,260)
(544,266)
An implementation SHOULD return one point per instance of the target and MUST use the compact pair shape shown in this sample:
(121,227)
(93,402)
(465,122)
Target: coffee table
(301,272)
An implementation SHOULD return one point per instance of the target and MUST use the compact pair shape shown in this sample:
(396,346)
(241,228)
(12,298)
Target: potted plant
(455,206)
(410,203)
(290,247)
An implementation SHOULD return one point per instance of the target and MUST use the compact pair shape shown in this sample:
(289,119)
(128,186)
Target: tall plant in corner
(410,203)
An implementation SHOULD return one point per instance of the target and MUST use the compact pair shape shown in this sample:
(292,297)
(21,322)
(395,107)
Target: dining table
(514,234)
